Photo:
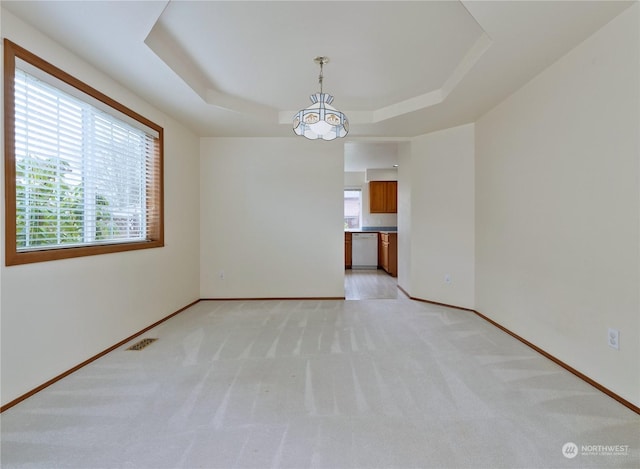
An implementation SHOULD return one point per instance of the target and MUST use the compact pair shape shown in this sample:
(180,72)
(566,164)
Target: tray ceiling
(397,69)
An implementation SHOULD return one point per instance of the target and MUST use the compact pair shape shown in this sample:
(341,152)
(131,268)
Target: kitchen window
(84,173)
(352,209)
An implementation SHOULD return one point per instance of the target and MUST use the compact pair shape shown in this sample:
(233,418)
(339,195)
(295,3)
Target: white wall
(557,208)
(440,175)
(354,179)
(55,315)
(404,216)
(382,174)
(271,218)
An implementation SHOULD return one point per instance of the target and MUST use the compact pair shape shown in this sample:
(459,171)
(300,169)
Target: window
(83,173)
(352,209)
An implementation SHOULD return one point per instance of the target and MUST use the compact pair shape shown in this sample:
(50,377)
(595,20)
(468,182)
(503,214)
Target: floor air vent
(142,344)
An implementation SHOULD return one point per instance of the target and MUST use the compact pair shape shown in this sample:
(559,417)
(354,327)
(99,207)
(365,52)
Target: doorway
(365,162)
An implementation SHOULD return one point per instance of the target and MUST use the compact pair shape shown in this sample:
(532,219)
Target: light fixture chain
(321,77)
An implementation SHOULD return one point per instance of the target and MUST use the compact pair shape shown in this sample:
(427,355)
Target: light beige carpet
(321,384)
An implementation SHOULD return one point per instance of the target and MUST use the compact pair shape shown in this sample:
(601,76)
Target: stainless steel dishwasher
(364,251)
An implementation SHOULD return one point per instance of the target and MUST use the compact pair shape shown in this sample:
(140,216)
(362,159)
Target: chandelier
(320,120)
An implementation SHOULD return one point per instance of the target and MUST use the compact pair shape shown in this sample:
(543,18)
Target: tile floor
(370,284)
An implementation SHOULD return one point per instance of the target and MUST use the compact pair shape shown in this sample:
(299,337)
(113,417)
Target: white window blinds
(83,176)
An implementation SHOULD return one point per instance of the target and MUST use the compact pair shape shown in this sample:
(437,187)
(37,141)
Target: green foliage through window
(49,208)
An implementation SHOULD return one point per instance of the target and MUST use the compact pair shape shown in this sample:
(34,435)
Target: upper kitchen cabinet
(383,196)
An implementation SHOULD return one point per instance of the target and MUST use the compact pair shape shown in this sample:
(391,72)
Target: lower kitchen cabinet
(389,253)
(347,250)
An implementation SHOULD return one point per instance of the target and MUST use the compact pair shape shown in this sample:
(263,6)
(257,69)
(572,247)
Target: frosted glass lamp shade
(320,120)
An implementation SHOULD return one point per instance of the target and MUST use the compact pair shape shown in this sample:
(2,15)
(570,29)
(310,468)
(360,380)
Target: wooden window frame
(155,200)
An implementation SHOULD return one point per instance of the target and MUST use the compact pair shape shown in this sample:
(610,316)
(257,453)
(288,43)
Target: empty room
(320,234)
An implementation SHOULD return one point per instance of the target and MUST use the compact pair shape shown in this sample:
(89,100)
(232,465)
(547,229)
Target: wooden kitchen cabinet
(389,253)
(383,197)
(347,250)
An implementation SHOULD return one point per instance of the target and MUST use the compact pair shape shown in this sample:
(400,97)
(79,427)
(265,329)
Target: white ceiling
(398,69)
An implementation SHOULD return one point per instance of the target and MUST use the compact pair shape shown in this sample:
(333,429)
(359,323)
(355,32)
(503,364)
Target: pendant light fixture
(320,120)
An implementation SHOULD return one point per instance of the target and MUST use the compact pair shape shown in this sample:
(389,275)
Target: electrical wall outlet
(613,338)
